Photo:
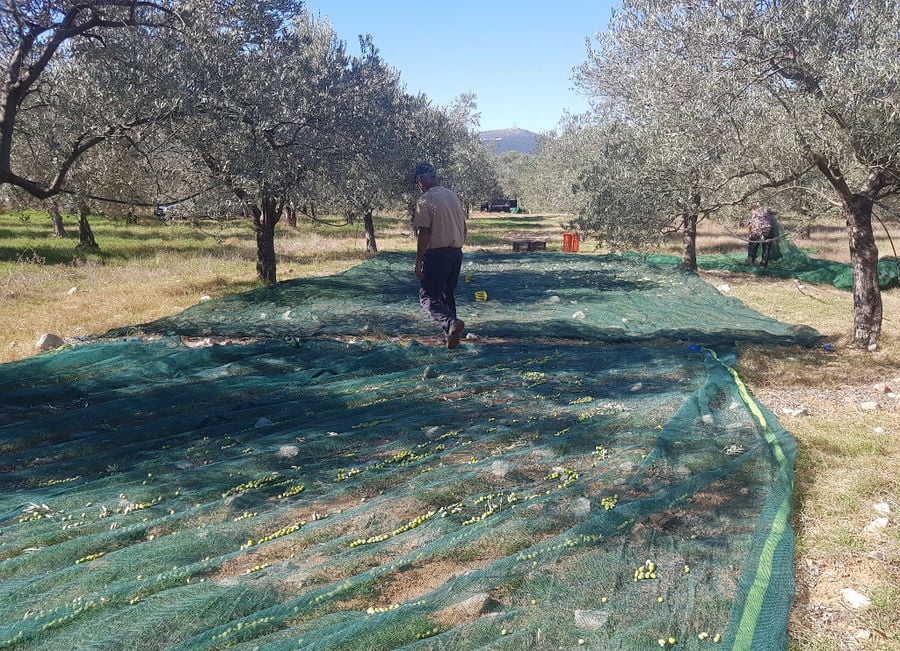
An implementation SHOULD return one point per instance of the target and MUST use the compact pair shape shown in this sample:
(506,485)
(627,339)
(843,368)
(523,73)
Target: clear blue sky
(517,56)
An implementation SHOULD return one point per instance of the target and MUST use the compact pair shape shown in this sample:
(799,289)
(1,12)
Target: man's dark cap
(425,169)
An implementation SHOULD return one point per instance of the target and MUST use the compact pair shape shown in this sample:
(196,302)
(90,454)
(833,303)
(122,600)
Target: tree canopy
(727,103)
(223,107)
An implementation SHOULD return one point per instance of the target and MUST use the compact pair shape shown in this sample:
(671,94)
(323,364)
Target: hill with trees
(507,140)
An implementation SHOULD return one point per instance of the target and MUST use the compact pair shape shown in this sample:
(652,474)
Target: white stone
(881,387)
(882,508)
(72,290)
(581,507)
(49,341)
(579,315)
(287,452)
(262,422)
(855,599)
(799,411)
(636,387)
(591,618)
(554,299)
(725,287)
(499,468)
(205,297)
(868,406)
(863,635)
(878,430)
(876,525)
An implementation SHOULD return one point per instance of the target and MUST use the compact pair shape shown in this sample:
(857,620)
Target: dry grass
(848,454)
(79,301)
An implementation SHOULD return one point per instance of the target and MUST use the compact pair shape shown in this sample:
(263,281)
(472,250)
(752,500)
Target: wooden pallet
(529,245)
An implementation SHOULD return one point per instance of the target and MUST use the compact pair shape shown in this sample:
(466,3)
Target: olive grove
(733,102)
(215,107)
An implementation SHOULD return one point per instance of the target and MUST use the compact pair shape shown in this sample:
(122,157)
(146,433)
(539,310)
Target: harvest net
(787,261)
(588,471)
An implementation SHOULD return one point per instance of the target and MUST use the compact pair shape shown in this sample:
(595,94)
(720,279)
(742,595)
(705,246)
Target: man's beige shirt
(441,210)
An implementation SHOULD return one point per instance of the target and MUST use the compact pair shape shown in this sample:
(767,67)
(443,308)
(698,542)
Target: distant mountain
(511,140)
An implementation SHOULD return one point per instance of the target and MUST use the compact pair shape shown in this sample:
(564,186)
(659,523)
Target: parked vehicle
(500,205)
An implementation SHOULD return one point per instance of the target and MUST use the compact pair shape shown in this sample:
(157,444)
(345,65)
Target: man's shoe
(455,332)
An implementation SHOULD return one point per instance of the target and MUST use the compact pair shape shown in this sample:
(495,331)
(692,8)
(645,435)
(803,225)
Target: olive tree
(375,172)
(445,137)
(37,38)
(831,70)
(511,168)
(549,175)
(471,170)
(277,98)
(698,147)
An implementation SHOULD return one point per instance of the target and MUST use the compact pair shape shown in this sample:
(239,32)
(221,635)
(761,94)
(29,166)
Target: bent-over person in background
(762,231)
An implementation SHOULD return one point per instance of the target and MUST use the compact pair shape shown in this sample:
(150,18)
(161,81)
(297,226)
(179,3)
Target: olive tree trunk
(371,244)
(85,234)
(59,230)
(291,214)
(689,242)
(867,305)
(265,216)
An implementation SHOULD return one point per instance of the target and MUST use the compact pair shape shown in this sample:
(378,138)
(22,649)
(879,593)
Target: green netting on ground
(299,492)
(787,261)
(563,296)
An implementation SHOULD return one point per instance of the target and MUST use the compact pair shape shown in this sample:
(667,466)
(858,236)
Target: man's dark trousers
(441,270)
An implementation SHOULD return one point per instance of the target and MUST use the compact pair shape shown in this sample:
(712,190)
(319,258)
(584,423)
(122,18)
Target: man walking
(440,224)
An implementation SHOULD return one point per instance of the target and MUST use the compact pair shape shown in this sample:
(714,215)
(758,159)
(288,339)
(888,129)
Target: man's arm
(424,238)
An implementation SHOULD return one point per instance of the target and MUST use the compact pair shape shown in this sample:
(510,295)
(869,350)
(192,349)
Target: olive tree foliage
(512,169)
(471,171)
(424,134)
(377,170)
(549,176)
(699,147)
(616,194)
(447,138)
(37,41)
(774,90)
(280,106)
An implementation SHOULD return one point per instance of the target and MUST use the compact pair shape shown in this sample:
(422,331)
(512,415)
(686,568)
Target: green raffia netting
(590,471)
(787,261)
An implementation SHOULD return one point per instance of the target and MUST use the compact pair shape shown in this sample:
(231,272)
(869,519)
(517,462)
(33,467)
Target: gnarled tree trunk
(867,306)
(371,245)
(85,234)
(56,219)
(265,216)
(689,242)
(291,211)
